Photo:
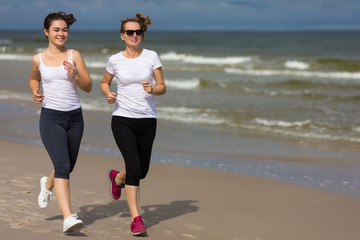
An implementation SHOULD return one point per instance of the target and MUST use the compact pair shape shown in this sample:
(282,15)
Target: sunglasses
(138,32)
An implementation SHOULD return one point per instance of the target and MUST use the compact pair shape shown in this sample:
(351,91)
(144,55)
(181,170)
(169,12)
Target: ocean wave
(95,64)
(27,57)
(190,115)
(305,134)
(194,83)
(183,83)
(274,93)
(280,123)
(187,58)
(10,95)
(297,65)
(39,50)
(96,105)
(297,129)
(307,74)
(187,84)
(15,57)
(96,77)
(86,104)
(356,129)
(181,114)
(310,94)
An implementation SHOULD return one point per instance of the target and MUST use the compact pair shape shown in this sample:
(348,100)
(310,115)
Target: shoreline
(178,202)
(329,174)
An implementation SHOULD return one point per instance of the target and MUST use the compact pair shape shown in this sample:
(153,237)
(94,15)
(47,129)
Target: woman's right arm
(35,78)
(105,87)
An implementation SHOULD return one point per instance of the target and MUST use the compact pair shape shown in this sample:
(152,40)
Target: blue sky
(189,14)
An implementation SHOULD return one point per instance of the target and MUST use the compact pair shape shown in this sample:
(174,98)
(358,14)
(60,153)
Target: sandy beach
(177,203)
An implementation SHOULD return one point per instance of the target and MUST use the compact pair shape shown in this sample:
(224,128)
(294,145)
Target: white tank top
(59,90)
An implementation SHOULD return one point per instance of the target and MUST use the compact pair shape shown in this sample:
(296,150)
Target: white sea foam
(338,75)
(95,64)
(15,57)
(276,93)
(40,50)
(86,104)
(96,77)
(183,83)
(306,135)
(286,130)
(297,65)
(190,115)
(356,129)
(280,123)
(173,56)
(21,57)
(182,114)
(96,105)
(8,95)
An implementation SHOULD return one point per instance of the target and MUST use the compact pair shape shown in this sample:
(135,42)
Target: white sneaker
(45,194)
(71,223)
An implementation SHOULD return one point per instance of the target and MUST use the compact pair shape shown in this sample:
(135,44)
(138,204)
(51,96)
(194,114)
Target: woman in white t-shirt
(134,117)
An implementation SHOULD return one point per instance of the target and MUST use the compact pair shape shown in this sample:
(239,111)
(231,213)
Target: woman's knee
(63,171)
(133,181)
(143,175)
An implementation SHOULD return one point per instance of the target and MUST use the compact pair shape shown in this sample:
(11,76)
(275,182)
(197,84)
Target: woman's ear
(46,32)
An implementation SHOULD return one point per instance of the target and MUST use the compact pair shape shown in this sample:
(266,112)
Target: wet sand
(177,202)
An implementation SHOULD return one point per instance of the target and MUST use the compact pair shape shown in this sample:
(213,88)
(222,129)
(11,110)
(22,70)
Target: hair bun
(145,20)
(70,19)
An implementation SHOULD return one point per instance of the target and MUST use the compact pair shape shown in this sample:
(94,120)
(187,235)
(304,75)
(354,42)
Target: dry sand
(177,203)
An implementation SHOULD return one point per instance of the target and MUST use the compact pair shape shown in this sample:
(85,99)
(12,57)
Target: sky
(189,14)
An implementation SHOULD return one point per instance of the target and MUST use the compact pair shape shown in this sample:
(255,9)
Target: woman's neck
(132,52)
(56,50)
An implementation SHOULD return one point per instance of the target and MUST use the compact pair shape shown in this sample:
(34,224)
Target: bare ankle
(120,178)
(48,185)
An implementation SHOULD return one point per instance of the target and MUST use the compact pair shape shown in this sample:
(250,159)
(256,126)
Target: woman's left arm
(160,88)
(81,76)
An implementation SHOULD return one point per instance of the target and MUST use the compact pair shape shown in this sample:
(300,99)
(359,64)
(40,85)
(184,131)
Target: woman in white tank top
(61,71)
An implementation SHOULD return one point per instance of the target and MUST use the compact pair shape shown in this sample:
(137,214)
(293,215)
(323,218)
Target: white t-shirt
(60,91)
(132,100)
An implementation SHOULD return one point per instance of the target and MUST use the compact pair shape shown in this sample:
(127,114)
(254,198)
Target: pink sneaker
(115,190)
(137,227)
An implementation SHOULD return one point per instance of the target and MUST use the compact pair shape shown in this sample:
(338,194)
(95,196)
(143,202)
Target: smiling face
(134,40)
(58,32)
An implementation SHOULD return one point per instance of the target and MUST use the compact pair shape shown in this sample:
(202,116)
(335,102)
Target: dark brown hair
(144,21)
(68,18)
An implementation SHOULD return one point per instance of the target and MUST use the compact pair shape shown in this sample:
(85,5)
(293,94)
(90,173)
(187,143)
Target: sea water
(235,100)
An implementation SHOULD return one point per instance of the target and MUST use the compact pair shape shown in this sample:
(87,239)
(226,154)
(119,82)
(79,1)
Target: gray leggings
(61,134)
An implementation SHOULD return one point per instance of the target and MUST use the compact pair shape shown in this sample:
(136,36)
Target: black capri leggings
(61,134)
(135,138)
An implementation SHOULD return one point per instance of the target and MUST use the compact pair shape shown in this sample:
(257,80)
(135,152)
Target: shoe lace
(139,225)
(48,194)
